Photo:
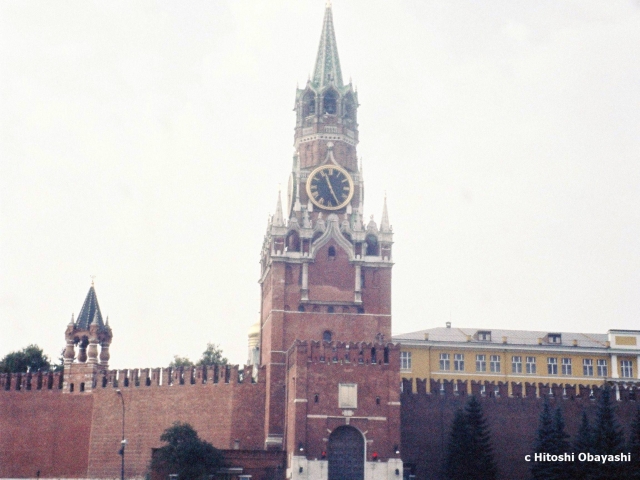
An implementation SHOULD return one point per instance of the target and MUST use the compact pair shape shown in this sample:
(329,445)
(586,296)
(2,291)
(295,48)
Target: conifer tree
(608,438)
(456,465)
(544,443)
(479,453)
(561,446)
(583,444)
(469,451)
(633,467)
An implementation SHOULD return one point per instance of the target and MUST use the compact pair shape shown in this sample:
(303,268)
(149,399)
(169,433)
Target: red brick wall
(78,434)
(44,430)
(220,413)
(426,422)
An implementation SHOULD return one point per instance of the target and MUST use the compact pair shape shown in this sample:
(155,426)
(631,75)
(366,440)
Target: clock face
(330,187)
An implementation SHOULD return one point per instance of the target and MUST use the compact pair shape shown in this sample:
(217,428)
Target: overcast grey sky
(143,143)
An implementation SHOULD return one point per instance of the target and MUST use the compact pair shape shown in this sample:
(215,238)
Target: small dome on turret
(254,330)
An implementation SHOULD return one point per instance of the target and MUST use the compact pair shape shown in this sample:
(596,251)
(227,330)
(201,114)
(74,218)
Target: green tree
(561,446)
(456,466)
(551,439)
(480,462)
(544,443)
(30,358)
(212,356)
(608,438)
(633,468)
(583,444)
(186,454)
(180,362)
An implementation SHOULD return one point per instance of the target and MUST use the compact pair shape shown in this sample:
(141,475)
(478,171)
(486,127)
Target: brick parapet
(492,388)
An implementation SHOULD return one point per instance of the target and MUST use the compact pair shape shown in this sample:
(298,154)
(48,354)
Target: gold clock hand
(326,177)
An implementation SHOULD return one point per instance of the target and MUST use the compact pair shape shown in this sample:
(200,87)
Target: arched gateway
(346,454)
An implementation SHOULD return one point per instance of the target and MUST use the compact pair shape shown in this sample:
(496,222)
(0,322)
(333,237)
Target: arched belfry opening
(346,454)
(330,102)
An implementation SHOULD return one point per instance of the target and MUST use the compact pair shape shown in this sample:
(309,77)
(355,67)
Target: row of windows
(530,364)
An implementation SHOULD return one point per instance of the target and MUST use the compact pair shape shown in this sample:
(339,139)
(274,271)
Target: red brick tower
(87,333)
(326,276)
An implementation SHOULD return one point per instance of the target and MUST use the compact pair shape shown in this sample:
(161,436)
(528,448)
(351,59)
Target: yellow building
(519,362)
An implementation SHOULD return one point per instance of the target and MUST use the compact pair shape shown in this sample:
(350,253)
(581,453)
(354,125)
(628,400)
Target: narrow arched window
(326,336)
(309,105)
(332,253)
(349,109)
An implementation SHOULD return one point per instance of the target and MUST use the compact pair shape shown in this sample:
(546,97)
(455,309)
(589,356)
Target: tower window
(330,309)
(301,308)
(330,102)
(332,253)
(326,336)
(316,398)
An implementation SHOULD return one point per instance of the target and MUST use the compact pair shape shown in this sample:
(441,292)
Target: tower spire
(327,68)
(278,218)
(384,222)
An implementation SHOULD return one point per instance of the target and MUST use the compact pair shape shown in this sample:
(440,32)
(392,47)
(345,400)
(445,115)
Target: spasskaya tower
(325,271)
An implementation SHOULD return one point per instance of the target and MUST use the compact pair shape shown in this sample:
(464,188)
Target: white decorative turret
(384,223)
(278,218)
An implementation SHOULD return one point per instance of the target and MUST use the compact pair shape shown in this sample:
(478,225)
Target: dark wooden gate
(346,454)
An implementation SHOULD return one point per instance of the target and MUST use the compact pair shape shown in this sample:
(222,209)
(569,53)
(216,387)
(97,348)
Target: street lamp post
(123,443)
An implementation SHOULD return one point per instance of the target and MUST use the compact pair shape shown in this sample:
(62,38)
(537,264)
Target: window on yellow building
(516,364)
(481,363)
(626,368)
(552,365)
(531,365)
(566,366)
(405,360)
(494,364)
(458,362)
(602,368)
(587,367)
(444,361)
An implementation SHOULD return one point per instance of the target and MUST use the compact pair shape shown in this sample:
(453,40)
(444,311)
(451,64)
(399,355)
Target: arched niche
(309,104)
(293,241)
(373,248)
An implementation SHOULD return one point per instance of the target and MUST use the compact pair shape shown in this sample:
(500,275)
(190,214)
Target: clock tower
(325,273)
